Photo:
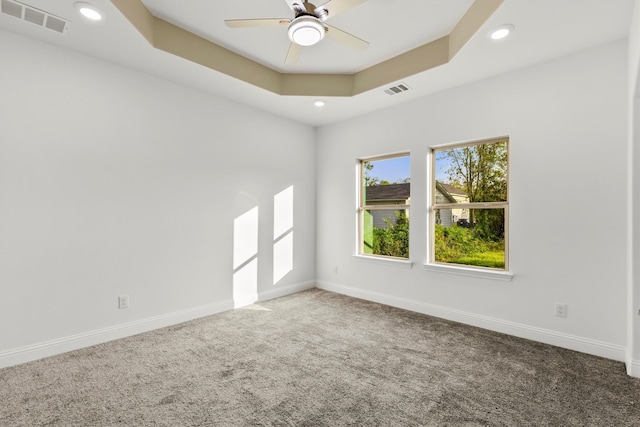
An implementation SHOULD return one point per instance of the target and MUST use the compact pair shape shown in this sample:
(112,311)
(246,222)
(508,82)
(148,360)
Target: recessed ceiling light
(89,11)
(501,32)
(319,103)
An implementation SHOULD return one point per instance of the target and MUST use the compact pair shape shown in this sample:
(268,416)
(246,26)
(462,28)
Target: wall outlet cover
(123,302)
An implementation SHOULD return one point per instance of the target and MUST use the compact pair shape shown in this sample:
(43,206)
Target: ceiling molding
(173,39)
(170,38)
(478,13)
(406,64)
(139,16)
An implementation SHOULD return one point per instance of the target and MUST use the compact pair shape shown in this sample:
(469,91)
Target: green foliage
(481,171)
(487,259)
(459,245)
(394,239)
(489,224)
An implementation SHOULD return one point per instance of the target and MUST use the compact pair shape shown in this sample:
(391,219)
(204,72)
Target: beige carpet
(320,359)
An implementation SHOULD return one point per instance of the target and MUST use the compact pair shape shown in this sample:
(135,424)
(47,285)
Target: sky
(397,169)
(441,168)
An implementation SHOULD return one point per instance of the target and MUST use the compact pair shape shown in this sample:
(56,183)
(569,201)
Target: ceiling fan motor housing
(306,30)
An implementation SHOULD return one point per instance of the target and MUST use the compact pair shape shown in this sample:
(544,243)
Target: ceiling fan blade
(335,7)
(346,39)
(269,22)
(295,50)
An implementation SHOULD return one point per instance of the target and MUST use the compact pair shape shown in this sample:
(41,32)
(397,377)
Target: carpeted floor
(320,359)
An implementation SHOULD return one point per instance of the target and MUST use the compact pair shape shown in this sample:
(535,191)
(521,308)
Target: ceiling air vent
(396,89)
(35,16)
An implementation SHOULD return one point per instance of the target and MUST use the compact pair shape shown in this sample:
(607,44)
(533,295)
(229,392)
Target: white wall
(633,191)
(113,182)
(567,124)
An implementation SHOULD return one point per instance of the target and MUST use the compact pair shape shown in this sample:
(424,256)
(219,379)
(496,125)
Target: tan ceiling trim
(406,64)
(473,19)
(317,84)
(178,41)
(187,45)
(139,16)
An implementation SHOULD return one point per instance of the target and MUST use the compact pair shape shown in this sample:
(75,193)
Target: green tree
(481,171)
(368,179)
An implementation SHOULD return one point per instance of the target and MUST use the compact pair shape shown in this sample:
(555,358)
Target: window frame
(361,208)
(464,269)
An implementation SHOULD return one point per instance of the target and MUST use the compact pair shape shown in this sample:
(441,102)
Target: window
(469,204)
(383,214)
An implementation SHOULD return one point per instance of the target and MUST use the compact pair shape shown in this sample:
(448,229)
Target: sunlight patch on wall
(282,257)
(282,212)
(282,234)
(245,258)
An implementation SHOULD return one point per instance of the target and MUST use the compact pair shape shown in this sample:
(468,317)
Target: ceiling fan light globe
(306,30)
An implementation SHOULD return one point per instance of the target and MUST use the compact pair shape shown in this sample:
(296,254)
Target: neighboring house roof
(403,192)
(454,191)
(449,191)
(389,192)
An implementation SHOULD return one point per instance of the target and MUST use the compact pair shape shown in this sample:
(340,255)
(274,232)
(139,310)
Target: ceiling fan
(308,26)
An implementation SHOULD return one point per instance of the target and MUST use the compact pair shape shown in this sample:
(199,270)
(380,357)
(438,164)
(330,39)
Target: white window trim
(477,272)
(385,260)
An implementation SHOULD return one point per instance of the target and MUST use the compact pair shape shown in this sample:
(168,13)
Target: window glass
(470,204)
(384,206)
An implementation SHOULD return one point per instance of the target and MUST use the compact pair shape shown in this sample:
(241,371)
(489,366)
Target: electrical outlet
(123,302)
(335,270)
(561,310)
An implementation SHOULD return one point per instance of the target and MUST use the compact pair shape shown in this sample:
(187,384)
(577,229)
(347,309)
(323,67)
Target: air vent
(35,16)
(11,8)
(397,89)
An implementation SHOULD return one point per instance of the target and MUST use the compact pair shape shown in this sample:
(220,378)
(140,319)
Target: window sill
(394,262)
(470,272)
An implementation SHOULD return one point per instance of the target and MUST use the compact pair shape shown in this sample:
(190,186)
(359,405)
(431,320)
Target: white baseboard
(74,342)
(37,351)
(559,339)
(286,290)
(633,368)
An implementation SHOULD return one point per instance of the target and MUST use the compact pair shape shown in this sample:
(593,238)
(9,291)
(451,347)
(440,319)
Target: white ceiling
(545,29)
(390,26)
